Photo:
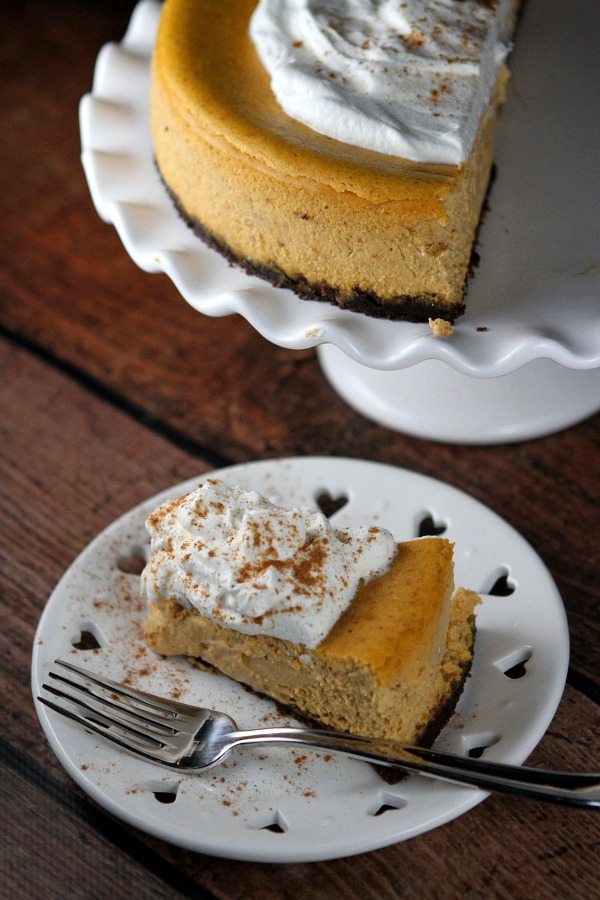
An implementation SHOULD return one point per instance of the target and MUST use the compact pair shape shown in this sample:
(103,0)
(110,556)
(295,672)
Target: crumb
(440,328)
(482,328)
(415,39)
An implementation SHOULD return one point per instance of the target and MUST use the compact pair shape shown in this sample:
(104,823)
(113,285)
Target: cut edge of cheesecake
(407,307)
(372,675)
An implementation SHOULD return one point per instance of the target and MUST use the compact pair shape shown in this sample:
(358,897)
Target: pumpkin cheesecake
(345,156)
(344,626)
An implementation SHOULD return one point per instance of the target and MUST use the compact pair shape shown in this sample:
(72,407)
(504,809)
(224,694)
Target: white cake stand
(524,361)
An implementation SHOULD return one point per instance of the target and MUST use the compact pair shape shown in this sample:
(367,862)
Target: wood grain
(60,837)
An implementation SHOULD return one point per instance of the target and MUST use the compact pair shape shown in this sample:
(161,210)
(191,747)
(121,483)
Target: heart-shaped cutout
(166,796)
(514,665)
(275,824)
(517,671)
(385,807)
(429,527)
(330,505)
(476,752)
(164,791)
(477,744)
(502,585)
(133,562)
(87,641)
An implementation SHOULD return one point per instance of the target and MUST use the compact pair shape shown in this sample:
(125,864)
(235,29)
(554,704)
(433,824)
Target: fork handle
(568,788)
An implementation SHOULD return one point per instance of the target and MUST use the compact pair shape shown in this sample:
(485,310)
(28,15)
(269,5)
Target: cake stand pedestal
(432,400)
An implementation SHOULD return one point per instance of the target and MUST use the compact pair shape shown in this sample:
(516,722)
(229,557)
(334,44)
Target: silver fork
(189,737)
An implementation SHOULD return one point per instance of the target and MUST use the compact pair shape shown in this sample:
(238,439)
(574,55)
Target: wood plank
(69,463)
(69,860)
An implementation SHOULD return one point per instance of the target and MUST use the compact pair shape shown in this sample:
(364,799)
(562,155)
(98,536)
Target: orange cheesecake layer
(367,231)
(392,666)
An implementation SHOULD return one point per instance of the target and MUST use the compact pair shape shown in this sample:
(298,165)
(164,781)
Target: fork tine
(109,719)
(124,712)
(128,743)
(172,708)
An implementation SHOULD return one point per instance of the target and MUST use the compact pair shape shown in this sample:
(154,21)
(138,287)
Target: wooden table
(112,388)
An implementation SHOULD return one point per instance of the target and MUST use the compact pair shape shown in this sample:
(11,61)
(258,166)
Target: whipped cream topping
(256,567)
(409,79)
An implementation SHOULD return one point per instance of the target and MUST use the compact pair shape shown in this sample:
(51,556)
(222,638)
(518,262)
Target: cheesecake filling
(258,568)
(409,79)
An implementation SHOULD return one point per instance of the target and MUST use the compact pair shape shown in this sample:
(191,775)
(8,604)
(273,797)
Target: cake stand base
(432,400)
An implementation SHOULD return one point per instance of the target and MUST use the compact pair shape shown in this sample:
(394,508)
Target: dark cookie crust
(402,308)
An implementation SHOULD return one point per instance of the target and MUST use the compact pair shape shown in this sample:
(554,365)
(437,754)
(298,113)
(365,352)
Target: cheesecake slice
(386,235)
(392,664)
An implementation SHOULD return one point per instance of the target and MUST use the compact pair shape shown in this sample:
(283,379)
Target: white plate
(326,808)
(538,244)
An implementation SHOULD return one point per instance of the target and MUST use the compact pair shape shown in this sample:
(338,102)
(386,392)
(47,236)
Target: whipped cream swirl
(256,567)
(409,79)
